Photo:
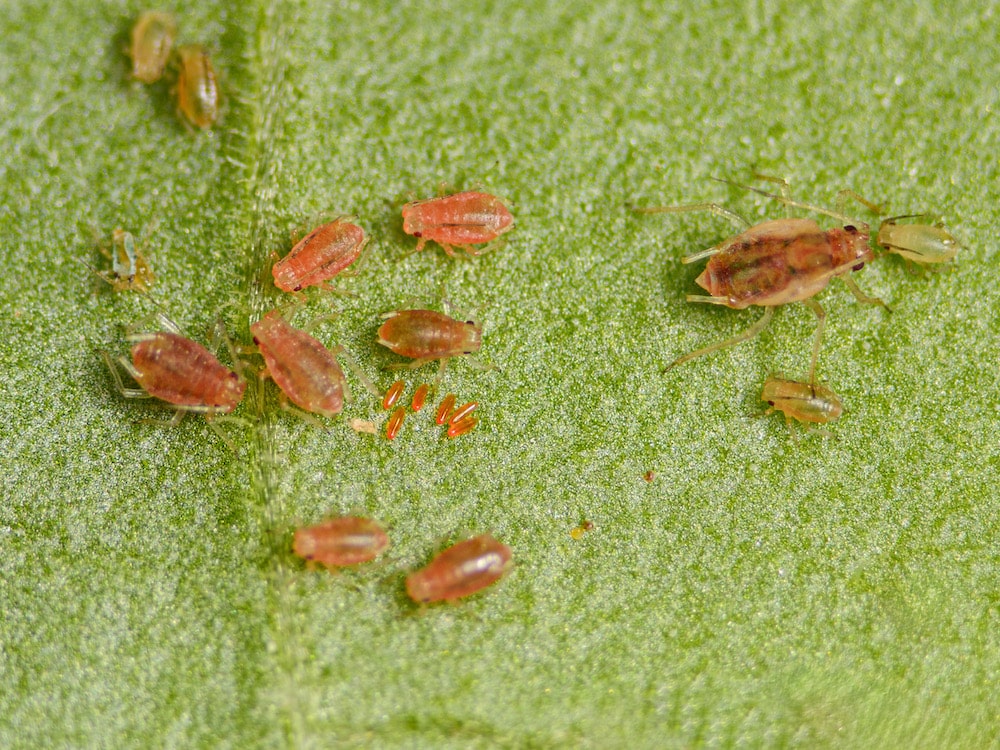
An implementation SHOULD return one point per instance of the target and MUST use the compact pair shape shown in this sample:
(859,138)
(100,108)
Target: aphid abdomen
(152,38)
(804,402)
(426,334)
(183,372)
(460,570)
(199,97)
(319,256)
(461,219)
(341,541)
(304,369)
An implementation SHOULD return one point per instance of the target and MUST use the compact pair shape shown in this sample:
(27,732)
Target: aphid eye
(858,267)
(850,229)
(470,322)
(418,234)
(255,341)
(770,403)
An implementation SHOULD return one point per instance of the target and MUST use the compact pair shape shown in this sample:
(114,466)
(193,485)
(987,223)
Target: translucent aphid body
(129,268)
(199,97)
(775,263)
(151,40)
(460,570)
(426,335)
(302,367)
(341,541)
(804,402)
(182,372)
(319,256)
(461,220)
(921,243)
(781,261)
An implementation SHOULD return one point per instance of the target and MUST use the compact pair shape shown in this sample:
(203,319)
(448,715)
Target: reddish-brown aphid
(462,427)
(462,412)
(341,541)
(426,335)
(395,422)
(181,372)
(305,370)
(152,37)
(774,263)
(460,570)
(459,220)
(420,397)
(199,97)
(319,256)
(393,394)
(444,409)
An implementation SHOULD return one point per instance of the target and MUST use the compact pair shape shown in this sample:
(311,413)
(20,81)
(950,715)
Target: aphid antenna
(843,218)
(114,365)
(355,368)
(140,330)
(714,208)
(219,335)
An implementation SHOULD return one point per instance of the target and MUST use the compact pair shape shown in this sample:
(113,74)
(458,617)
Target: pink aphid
(461,220)
(182,372)
(460,570)
(319,256)
(341,541)
(306,371)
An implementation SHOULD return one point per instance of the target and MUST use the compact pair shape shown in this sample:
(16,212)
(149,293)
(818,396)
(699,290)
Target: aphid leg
(420,246)
(843,218)
(220,335)
(119,383)
(411,365)
(355,368)
(714,208)
(156,321)
(781,182)
(861,296)
(844,195)
(749,333)
(303,415)
(813,305)
(497,244)
(213,423)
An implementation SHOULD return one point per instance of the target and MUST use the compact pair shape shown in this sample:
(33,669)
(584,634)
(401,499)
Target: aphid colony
(456,572)
(791,260)
(196,85)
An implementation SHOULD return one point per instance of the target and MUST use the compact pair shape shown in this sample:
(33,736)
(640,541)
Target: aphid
(393,394)
(341,541)
(306,371)
(921,243)
(362,426)
(462,427)
(462,412)
(181,372)
(774,263)
(199,97)
(129,268)
(459,220)
(460,570)
(805,402)
(583,528)
(444,409)
(420,397)
(649,476)
(426,335)
(319,256)
(152,37)
(395,422)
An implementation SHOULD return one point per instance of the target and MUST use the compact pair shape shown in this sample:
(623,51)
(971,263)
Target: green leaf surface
(759,591)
